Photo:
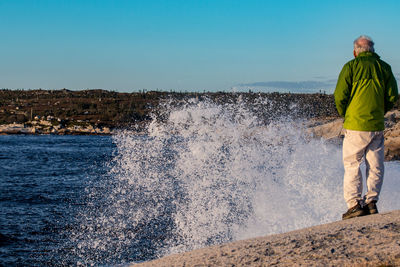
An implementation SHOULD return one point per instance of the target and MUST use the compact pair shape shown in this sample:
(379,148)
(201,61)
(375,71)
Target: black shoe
(371,208)
(355,211)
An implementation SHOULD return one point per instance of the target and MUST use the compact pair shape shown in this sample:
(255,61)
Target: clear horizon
(127,46)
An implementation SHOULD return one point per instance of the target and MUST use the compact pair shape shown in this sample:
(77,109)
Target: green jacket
(365,91)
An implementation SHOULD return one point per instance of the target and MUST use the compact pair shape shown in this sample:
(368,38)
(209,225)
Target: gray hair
(366,46)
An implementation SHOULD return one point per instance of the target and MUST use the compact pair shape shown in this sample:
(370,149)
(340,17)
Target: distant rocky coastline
(101,112)
(45,127)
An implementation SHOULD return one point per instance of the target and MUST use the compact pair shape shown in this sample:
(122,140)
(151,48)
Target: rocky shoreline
(328,128)
(100,112)
(45,127)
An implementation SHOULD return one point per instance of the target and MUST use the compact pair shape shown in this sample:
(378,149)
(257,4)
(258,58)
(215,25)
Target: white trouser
(358,145)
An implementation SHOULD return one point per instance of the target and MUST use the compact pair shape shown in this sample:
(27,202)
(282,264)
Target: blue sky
(187,45)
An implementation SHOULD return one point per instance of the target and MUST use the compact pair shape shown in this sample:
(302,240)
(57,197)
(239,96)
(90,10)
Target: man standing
(365,91)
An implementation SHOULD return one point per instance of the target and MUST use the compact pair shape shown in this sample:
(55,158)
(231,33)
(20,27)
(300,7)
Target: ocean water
(203,174)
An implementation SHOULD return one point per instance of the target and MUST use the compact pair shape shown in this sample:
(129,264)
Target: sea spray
(207,173)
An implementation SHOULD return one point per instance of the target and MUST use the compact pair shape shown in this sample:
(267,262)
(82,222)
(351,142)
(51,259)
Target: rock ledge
(365,241)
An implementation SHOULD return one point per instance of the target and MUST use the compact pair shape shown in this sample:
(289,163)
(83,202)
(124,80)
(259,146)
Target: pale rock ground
(372,240)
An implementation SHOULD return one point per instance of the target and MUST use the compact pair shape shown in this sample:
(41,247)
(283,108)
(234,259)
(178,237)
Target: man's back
(365,91)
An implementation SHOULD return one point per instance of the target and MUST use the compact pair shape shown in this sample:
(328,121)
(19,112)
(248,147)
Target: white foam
(211,173)
(237,178)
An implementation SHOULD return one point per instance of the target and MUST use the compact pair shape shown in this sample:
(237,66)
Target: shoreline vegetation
(101,112)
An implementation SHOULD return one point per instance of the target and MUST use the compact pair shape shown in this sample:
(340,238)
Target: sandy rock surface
(372,240)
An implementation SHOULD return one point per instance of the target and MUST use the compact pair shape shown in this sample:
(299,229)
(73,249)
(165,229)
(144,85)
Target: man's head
(363,44)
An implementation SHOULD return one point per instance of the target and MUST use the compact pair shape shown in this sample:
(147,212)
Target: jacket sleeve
(343,90)
(391,92)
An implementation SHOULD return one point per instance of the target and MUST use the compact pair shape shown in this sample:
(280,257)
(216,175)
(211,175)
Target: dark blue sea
(42,188)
